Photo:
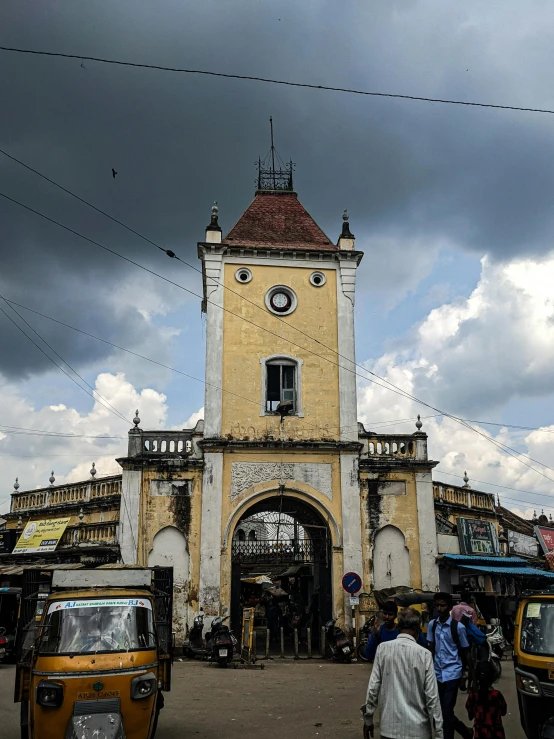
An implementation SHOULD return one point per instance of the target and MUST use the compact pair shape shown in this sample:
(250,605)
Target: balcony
(89,536)
(58,495)
(465,497)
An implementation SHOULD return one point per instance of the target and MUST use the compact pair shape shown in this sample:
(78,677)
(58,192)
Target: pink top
(462,609)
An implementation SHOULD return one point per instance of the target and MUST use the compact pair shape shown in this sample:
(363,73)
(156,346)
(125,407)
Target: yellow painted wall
(233,510)
(40,514)
(244,345)
(394,510)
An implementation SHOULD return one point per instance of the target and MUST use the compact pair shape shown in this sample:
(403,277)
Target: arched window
(252,535)
(241,536)
(281,385)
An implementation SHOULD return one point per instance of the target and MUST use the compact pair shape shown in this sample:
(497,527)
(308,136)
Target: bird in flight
(114,173)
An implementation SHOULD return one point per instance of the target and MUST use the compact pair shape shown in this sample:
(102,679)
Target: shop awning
(513,571)
(18,569)
(466,559)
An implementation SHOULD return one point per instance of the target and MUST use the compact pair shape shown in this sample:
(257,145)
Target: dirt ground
(304,699)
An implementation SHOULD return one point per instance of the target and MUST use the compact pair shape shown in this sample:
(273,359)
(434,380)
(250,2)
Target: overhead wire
(95,394)
(273,81)
(389,385)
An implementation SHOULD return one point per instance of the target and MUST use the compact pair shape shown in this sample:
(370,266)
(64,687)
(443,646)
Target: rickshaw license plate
(222,652)
(95,696)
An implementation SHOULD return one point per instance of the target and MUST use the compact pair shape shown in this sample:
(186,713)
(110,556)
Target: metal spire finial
(214,223)
(418,423)
(16,484)
(52,479)
(93,470)
(136,419)
(346,234)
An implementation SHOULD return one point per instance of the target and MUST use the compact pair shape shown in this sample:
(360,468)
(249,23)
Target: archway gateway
(281,559)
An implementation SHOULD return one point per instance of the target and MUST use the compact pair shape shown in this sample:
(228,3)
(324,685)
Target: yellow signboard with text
(41,536)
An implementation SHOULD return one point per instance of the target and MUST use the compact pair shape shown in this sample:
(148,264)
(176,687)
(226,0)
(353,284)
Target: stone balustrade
(82,492)
(160,442)
(390,445)
(463,497)
(98,534)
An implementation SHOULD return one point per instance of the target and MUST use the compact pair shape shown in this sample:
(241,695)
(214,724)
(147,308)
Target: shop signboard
(545,535)
(7,540)
(41,536)
(443,525)
(522,544)
(478,537)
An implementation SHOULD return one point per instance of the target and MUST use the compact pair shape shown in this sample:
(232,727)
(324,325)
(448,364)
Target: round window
(243,275)
(318,279)
(280,300)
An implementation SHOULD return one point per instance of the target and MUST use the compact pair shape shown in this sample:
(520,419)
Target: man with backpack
(448,642)
(387,631)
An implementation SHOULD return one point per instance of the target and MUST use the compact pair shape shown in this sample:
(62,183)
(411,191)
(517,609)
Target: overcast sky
(452,205)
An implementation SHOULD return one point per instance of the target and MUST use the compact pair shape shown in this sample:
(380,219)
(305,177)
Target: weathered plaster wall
(329,508)
(390,498)
(171,497)
(244,345)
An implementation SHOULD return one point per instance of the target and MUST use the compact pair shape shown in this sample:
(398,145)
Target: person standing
(486,706)
(403,682)
(449,645)
(388,631)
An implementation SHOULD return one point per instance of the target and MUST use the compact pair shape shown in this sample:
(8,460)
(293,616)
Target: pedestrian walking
(449,645)
(388,631)
(403,683)
(486,706)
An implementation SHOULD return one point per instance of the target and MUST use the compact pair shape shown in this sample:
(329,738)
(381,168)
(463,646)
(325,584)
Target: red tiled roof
(278,219)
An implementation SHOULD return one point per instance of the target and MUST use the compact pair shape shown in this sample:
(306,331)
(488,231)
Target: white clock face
(280,301)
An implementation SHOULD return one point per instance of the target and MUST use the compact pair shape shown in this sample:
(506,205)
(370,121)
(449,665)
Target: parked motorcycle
(365,633)
(340,645)
(198,645)
(222,642)
(495,638)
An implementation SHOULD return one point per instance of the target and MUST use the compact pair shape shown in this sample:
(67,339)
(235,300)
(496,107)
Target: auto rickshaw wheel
(24,720)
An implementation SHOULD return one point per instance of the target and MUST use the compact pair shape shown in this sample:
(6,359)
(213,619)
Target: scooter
(496,638)
(198,646)
(222,642)
(341,647)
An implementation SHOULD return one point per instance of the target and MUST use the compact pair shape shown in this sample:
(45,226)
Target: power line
(103,400)
(269,80)
(389,385)
(42,432)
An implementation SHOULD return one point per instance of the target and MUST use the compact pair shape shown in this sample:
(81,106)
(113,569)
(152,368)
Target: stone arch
(170,549)
(270,490)
(391,559)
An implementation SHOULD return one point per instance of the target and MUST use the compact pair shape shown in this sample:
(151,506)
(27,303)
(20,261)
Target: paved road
(300,699)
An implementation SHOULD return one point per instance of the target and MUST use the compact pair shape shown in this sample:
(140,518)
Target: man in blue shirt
(449,645)
(387,632)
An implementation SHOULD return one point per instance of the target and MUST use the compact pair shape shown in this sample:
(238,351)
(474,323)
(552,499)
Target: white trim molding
(287,359)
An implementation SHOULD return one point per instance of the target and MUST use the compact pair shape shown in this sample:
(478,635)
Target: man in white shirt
(404,682)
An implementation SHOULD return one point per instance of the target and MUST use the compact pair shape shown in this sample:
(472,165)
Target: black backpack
(453,631)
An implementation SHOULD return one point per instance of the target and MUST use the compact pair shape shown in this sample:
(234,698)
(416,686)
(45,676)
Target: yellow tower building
(279,480)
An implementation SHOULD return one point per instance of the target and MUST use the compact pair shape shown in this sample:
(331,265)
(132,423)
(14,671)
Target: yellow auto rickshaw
(534,662)
(97,662)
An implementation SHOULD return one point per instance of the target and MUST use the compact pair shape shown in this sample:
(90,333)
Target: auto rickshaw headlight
(144,686)
(528,685)
(49,694)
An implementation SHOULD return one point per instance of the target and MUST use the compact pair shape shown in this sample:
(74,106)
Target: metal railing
(299,551)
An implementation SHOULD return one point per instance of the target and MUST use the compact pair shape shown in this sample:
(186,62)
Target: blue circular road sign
(352,582)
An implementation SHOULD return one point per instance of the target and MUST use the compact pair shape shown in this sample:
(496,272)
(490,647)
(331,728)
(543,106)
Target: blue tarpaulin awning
(519,571)
(484,559)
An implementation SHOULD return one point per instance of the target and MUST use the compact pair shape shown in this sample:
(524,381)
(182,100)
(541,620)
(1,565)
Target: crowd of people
(416,679)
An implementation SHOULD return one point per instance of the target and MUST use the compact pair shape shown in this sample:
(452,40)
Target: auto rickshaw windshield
(78,627)
(537,628)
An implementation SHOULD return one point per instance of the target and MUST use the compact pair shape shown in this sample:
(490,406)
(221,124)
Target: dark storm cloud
(481,179)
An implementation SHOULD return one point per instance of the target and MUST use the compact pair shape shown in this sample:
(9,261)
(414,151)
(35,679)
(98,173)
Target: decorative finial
(498,499)
(214,223)
(16,484)
(418,422)
(346,227)
(52,479)
(93,470)
(466,480)
(81,515)
(550,517)
(136,419)
(20,522)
